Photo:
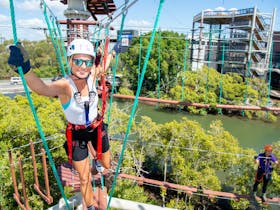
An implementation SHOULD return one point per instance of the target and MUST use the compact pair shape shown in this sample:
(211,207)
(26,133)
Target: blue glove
(19,57)
(118,47)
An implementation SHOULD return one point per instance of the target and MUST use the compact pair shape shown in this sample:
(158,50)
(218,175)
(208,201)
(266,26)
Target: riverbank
(250,133)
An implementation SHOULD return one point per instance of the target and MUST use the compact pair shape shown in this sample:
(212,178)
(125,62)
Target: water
(250,133)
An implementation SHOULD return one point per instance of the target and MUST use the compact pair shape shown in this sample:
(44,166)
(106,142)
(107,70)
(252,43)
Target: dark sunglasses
(79,62)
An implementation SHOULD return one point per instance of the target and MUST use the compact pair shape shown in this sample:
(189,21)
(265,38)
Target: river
(250,133)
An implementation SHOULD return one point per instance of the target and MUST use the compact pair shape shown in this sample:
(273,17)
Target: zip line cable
(123,11)
(136,99)
(42,135)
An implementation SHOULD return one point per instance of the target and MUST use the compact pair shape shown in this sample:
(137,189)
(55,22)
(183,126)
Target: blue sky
(176,14)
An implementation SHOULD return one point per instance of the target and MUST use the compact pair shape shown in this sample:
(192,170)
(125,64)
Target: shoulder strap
(72,84)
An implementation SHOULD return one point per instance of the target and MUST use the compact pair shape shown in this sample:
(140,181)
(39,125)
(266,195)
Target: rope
(208,71)
(221,77)
(42,135)
(57,52)
(269,75)
(140,57)
(62,47)
(189,148)
(123,11)
(136,99)
(57,46)
(185,67)
(115,66)
(158,86)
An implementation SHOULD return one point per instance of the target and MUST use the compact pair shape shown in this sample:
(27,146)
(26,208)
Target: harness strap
(103,83)
(69,141)
(97,123)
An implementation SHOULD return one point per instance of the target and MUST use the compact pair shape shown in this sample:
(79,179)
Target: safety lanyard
(86,106)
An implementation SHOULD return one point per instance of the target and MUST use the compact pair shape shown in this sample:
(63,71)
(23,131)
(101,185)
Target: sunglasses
(79,62)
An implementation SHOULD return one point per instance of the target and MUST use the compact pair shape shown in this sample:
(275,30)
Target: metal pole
(12,167)
(34,164)
(46,176)
(23,183)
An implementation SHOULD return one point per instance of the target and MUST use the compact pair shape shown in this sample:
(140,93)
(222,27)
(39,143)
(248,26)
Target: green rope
(209,57)
(98,36)
(185,68)
(93,40)
(115,66)
(57,45)
(42,135)
(269,76)
(158,86)
(62,47)
(57,52)
(140,57)
(136,100)
(221,77)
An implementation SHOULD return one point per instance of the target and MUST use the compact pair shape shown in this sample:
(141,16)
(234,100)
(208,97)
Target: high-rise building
(233,40)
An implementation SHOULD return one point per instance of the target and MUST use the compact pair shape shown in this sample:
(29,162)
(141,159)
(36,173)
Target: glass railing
(226,13)
(242,35)
(245,23)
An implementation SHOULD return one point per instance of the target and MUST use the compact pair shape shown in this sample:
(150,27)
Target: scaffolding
(246,33)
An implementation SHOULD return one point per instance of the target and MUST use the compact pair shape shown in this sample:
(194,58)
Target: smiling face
(81,65)
(268,152)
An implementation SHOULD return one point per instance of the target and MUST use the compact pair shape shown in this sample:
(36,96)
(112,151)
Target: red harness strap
(103,83)
(69,141)
(96,123)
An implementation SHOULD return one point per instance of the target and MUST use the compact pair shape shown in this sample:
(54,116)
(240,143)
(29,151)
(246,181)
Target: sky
(176,14)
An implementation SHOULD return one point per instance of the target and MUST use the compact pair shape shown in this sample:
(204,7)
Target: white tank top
(74,109)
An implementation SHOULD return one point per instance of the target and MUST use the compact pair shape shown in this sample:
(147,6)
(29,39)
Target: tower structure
(78,13)
(246,35)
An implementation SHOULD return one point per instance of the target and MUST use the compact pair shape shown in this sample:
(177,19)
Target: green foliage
(17,128)
(172,52)
(183,152)
(42,58)
(205,85)
(128,190)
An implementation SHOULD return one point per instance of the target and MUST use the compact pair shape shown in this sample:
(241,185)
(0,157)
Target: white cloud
(34,5)
(34,22)
(139,23)
(4,3)
(4,19)
(220,9)
(28,5)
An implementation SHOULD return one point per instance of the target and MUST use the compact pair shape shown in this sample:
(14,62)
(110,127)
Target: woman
(78,96)
(265,163)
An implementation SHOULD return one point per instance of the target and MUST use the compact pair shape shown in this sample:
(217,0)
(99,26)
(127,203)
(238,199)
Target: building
(126,38)
(233,40)
(276,50)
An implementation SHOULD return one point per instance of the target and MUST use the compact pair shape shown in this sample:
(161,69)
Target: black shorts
(80,138)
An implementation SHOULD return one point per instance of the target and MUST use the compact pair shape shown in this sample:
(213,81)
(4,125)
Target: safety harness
(266,173)
(97,123)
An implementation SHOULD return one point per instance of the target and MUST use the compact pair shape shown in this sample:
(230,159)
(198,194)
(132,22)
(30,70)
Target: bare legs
(83,168)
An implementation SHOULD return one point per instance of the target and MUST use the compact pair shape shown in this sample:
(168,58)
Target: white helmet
(80,46)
